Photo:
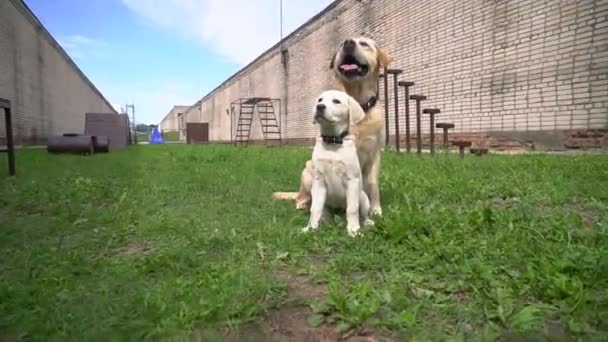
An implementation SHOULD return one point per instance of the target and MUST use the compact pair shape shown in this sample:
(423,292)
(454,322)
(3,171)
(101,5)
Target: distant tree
(143,128)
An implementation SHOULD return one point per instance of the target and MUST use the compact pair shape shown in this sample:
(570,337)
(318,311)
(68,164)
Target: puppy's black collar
(369,104)
(331,139)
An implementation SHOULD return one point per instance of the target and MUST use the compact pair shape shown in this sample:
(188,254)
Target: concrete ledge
(508,142)
(559,140)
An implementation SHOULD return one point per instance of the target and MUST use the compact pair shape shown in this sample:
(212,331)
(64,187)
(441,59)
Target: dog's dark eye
(321,99)
(364,44)
(336,101)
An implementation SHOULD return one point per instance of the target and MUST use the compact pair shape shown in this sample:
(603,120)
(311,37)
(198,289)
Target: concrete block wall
(490,66)
(171,121)
(49,94)
(264,79)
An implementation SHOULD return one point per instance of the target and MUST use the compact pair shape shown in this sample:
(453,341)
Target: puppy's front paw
(376,211)
(308,229)
(353,231)
(368,223)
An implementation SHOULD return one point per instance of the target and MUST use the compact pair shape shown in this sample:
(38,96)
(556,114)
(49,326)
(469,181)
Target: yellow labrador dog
(336,173)
(356,66)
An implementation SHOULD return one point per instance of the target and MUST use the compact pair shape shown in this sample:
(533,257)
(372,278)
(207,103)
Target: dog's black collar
(331,139)
(369,104)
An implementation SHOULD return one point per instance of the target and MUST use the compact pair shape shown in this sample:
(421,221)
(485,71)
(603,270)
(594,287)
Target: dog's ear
(384,59)
(333,58)
(355,111)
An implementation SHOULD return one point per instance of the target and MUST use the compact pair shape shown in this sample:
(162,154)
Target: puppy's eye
(336,101)
(321,99)
(364,44)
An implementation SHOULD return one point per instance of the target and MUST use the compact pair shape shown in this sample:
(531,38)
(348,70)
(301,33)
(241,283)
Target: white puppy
(337,182)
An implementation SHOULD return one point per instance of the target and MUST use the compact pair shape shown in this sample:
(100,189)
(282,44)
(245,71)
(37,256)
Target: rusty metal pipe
(82,144)
(101,144)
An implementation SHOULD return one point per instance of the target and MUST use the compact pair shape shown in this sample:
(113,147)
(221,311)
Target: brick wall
(49,94)
(171,121)
(489,65)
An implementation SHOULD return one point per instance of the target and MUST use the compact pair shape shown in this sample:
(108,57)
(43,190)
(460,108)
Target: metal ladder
(269,123)
(243,129)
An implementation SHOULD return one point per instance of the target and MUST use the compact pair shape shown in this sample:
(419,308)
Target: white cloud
(152,100)
(117,107)
(78,46)
(237,29)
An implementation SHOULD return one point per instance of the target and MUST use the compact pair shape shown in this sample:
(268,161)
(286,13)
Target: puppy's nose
(349,45)
(321,107)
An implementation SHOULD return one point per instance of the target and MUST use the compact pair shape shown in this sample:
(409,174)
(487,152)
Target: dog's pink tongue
(349,67)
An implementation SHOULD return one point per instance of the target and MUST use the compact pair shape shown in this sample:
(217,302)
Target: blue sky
(158,53)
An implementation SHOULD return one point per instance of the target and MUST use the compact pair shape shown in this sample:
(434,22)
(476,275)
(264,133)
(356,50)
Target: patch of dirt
(300,287)
(587,216)
(134,249)
(363,275)
(460,296)
(290,322)
(503,202)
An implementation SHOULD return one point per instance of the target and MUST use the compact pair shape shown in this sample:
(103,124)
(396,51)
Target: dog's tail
(285,196)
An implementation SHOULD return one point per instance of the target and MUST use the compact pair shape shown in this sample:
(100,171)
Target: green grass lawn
(143,137)
(171,135)
(185,242)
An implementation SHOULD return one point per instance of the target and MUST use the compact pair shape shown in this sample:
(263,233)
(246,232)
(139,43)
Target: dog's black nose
(349,45)
(321,107)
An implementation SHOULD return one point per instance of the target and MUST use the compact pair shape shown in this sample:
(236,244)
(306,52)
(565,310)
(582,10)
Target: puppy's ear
(355,111)
(384,59)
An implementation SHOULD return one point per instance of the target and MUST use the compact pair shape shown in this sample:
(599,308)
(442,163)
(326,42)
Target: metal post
(396,95)
(132,107)
(445,126)
(418,130)
(281,19)
(418,98)
(432,135)
(432,112)
(461,145)
(134,124)
(386,131)
(406,86)
(10,147)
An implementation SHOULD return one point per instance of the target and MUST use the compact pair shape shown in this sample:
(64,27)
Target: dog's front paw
(368,223)
(302,206)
